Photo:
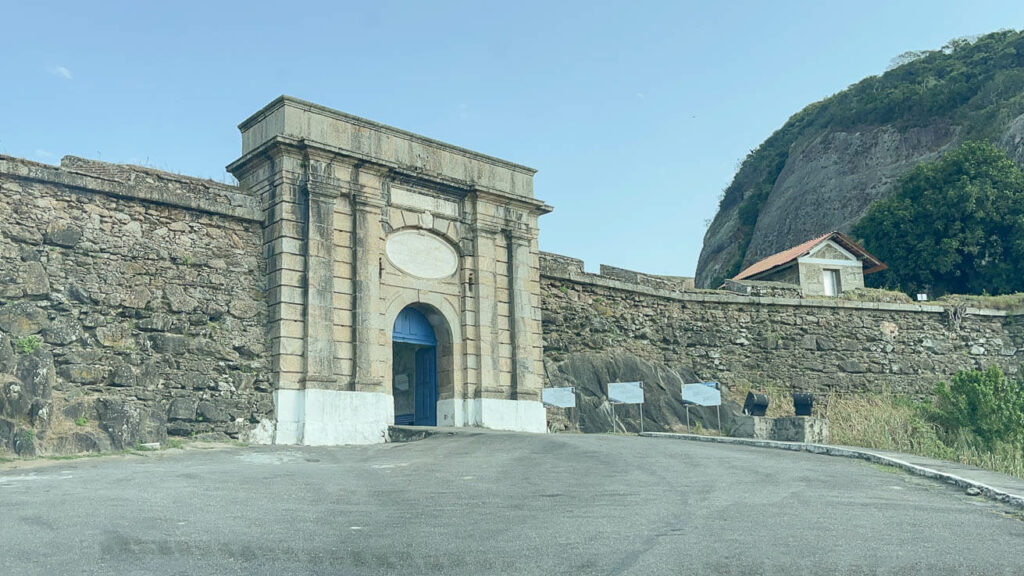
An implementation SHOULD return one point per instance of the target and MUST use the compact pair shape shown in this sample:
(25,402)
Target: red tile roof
(779,259)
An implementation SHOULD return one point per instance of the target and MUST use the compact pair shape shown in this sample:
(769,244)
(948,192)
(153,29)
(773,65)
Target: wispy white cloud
(60,72)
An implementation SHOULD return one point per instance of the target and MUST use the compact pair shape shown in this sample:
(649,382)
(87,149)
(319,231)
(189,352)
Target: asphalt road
(496,503)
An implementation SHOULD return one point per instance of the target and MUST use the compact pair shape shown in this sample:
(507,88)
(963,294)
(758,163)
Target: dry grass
(1008,302)
(885,421)
(877,295)
(882,422)
(898,423)
(780,402)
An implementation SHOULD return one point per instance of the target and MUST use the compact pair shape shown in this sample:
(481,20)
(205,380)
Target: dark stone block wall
(131,307)
(599,329)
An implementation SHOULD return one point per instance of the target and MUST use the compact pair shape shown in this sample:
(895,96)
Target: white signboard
(560,397)
(626,393)
(703,394)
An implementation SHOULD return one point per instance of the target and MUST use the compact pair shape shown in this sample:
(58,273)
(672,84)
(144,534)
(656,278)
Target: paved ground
(496,503)
(1002,487)
(996,480)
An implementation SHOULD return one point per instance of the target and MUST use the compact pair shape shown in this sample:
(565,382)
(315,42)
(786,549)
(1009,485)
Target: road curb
(996,494)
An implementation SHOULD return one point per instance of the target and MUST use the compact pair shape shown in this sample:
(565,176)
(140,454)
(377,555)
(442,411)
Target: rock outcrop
(822,170)
(828,184)
(590,373)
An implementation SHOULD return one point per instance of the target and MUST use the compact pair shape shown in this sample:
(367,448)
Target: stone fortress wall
(600,328)
(131,306)
(135,303)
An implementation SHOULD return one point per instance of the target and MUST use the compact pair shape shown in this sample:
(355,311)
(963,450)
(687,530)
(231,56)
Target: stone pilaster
(323,190)
(367,252)
(284,238)
(487,312)
(526,383)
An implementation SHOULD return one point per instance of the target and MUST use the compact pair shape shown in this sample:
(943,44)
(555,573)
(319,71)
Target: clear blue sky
(636,114)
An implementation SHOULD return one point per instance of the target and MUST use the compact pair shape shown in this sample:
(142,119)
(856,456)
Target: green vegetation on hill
(977,87)
(954,226)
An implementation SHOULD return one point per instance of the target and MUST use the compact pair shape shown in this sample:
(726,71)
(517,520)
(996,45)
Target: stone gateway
(404,278)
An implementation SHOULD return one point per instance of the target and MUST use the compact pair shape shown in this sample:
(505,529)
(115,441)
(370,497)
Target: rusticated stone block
(63,234)
(182,409)
(23,319)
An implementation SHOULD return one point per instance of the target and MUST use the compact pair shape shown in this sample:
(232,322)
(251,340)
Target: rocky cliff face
(822,169)
(827,184)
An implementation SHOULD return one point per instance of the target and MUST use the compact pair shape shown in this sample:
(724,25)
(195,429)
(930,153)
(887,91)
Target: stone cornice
(536,207)
(519,235)
(323,185)
(363,199)
(283,100)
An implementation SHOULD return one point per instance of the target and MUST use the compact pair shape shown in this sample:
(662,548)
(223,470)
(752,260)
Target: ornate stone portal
(363,221)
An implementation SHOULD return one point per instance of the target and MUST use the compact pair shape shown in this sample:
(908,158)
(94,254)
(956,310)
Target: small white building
(825,266)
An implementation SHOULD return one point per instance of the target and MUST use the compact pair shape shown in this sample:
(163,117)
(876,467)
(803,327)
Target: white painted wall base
(454,412)
(331,417)
(518,415)
(290,407)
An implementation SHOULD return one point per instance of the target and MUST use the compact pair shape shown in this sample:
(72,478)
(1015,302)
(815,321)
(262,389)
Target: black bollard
(802,403)
(756,404)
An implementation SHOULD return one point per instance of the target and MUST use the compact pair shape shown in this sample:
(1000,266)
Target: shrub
(984,403)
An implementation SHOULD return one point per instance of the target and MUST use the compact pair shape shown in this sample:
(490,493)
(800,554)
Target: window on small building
(832,286)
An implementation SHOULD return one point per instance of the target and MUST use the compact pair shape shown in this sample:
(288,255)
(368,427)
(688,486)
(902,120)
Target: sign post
(703,394)
(626,393)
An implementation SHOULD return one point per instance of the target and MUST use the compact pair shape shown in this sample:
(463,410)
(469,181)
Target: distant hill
(822,169)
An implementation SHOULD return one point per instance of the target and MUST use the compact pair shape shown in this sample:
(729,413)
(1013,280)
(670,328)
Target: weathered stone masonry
(599,328)
(131,305)
(136,303)
(365,220)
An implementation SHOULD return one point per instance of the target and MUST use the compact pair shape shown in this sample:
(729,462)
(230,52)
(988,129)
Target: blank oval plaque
(421,254)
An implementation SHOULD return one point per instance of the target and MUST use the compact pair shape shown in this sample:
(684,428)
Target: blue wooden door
(413,327)
(426,386)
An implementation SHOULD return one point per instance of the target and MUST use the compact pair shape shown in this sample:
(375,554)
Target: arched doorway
(414,369)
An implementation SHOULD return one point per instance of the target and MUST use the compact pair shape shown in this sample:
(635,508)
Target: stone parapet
(763,288)
(137,183)
(557,267)
(671,283)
